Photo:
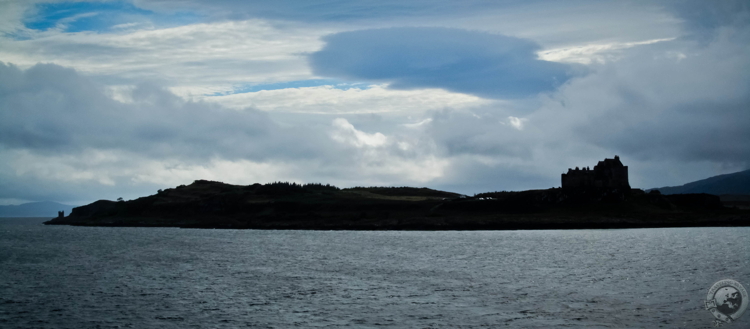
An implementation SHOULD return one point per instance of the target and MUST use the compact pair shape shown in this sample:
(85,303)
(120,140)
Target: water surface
(99,277)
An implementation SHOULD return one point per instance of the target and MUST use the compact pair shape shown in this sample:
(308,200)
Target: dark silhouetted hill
(737,183)
(207,204)
(35,209)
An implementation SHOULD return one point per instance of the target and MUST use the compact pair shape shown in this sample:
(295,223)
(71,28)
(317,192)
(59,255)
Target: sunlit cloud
(331,100)
(593,53)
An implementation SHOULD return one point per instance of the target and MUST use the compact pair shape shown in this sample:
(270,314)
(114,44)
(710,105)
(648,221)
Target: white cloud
(329,100)
(418,124)
(79,168)
(516,122)
(592,53)
(126,25)
(242,172)
(193,59)
(386,160)
(344,132)
(120,170)
(11,14)
(550,23)
(62,129)
(217,56)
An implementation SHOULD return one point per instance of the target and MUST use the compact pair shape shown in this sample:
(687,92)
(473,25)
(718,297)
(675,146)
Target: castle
(609,173)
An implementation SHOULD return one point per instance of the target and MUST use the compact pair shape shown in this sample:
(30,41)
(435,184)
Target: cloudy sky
(107,99)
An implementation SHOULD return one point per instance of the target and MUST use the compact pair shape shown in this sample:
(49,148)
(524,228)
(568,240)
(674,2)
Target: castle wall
(575,178)
(609,173)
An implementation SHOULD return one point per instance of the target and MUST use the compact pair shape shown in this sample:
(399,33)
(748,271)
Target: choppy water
(93,277)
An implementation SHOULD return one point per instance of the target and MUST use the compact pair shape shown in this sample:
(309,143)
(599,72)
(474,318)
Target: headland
(599,198)
(207,204)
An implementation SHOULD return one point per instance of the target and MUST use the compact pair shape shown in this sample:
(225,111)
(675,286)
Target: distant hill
(35,209)
(736,183)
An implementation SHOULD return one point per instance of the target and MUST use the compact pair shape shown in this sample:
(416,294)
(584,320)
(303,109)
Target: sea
(106,277)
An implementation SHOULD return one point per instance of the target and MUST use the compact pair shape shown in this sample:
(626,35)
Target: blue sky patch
(99,16)
(335,83)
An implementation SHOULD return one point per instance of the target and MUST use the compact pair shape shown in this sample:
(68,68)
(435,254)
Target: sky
(109,99)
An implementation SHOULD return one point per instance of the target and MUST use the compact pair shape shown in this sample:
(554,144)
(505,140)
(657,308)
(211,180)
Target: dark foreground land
(206,204)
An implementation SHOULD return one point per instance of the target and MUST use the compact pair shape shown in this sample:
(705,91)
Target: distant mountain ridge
(736,183)
(35,209)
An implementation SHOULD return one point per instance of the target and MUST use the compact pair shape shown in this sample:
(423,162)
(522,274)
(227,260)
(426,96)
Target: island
(589,198)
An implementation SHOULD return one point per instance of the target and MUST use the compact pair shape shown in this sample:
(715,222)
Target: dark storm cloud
(702,18)
(680,102)
(52,109)
(703,131)
(678,106)
(483,64)
(487,133)
(677,101)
